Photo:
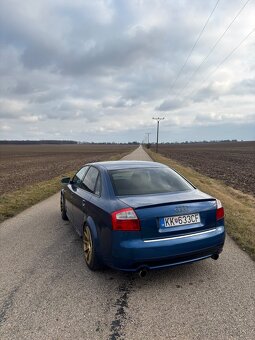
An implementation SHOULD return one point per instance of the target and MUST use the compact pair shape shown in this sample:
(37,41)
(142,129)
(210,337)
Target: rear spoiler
(177,202)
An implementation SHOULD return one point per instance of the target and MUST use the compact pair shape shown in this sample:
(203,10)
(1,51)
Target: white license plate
(181,220)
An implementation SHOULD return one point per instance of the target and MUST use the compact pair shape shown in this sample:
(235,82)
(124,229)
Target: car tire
(63,208)
(89,249)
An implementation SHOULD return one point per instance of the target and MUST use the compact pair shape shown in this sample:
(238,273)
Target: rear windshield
(147,181)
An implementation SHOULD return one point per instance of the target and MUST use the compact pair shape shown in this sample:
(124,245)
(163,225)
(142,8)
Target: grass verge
(14,202)
(239,207)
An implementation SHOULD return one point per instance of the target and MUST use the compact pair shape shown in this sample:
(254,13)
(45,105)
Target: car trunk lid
(152,210)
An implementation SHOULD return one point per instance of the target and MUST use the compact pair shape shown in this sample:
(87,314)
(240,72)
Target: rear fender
(90,222)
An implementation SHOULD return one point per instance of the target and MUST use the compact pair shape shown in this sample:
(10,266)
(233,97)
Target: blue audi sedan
(137,216)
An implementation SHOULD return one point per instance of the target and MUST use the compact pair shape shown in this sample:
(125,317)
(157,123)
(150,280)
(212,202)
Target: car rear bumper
(135,254)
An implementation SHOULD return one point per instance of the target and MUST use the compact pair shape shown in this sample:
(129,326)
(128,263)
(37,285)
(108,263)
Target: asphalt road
(46,291)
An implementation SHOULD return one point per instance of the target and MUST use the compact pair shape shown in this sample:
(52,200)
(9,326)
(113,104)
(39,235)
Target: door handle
(83,203)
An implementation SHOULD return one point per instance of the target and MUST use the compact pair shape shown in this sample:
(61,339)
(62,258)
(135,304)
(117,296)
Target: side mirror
(65,180)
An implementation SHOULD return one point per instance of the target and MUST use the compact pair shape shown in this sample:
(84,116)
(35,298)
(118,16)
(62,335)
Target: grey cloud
(121,50)
(24,87)
(170,104)
(19,116)
(9,115)
(120,103)
(205,94)
(207,119)
(209,93)
(69,111)
(46,97)
(246,86)
(218,119)
(117,49)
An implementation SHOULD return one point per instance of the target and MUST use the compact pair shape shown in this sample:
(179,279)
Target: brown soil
(231,162)
(22,165)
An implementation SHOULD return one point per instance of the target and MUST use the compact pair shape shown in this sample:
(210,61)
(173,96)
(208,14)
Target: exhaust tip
(215,256)
(142,273)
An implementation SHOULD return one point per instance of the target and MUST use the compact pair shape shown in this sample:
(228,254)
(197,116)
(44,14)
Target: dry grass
(13,203)
(239,207)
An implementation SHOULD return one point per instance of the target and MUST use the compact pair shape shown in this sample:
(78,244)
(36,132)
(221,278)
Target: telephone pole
(148,136)
(158,119)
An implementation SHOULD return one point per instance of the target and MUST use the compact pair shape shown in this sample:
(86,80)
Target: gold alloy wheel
(87,245)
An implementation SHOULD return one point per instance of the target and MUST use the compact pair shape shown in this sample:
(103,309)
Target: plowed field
(231,162)
(22,165)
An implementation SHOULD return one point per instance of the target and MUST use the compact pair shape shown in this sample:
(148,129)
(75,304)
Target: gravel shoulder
(46,291)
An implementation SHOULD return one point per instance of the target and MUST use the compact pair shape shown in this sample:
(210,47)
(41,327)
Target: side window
(98,186)
(77,179)
(90,179)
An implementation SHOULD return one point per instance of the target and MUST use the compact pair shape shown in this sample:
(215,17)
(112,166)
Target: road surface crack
(7,305)
(121,303)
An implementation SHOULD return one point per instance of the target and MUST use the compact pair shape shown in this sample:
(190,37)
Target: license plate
(181,220)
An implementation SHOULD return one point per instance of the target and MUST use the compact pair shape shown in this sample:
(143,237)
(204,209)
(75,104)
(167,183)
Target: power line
(193,47)
(148,136)
(214,46)
(226,58)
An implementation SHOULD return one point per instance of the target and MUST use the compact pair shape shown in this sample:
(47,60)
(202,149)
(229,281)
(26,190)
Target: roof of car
(114,165)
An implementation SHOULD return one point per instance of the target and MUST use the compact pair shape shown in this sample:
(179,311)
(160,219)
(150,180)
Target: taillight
(125,220)
(219,211)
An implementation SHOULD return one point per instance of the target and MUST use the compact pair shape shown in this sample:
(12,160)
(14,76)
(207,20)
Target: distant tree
(22,142)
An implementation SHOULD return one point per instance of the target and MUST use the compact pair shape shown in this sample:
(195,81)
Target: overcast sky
(100,70)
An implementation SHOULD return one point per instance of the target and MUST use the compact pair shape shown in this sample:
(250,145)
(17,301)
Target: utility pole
(148,136)
(158,119)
